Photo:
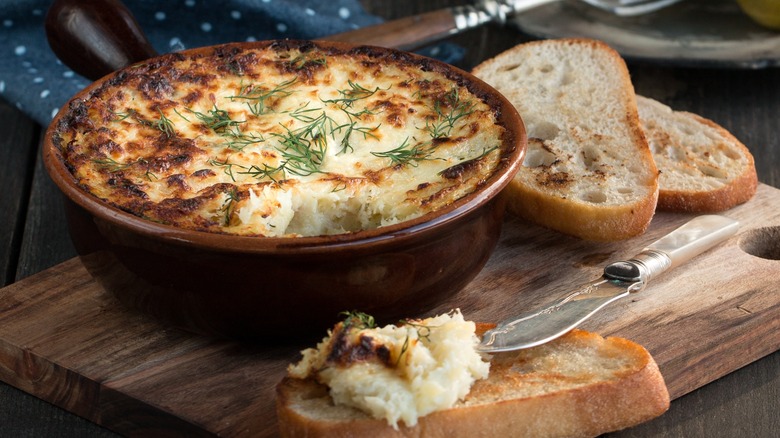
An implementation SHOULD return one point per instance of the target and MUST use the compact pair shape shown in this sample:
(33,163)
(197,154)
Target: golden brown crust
(631,395)
(579,220)
(241,138)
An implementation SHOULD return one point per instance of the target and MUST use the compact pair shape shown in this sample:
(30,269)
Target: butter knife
(619,280)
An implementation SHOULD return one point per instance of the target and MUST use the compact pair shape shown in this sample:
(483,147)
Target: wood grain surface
(745,402)
(69,342)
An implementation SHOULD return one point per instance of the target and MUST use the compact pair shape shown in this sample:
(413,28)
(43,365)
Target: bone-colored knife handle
(674,249)
(695,237)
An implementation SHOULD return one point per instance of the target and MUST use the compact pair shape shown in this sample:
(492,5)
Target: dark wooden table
(33,236)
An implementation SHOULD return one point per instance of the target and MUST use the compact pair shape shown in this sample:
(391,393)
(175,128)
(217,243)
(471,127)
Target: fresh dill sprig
(404,154)
(229,205)
(346,145)
(114,166)
(340,187)
(423,331)
(350,95)
(453,171)
(265,171)
(257,97)
(404,349)
(358,320)
(320,126)
(304,114)
(304,60)
(120,116)
(325,124)
(449,109)
(162,123)
(304,149)
(218,120)
(228,167)
(238,140)
(346,103)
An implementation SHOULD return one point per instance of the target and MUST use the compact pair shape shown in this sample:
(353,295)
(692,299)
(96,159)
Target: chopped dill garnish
(303,60)
(358,320)
(237,140)
(229,205)
(218,120)
(404,154)
(114,166)
(349,96)
(423,331)
(265,171)
(257,97)
(122,116)
(346,145)
(304,149)
(228,167)
(448,111)
(162,124)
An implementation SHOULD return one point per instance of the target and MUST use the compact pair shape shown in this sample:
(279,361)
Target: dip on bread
(396,373)
(280,139)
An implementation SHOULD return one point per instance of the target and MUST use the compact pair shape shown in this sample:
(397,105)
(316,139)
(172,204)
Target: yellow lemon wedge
(763,12)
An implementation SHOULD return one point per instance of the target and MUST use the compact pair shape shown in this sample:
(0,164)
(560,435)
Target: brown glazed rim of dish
(512,152)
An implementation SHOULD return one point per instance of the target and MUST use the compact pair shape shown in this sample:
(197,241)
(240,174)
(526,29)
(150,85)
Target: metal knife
(414,32)
(620,279)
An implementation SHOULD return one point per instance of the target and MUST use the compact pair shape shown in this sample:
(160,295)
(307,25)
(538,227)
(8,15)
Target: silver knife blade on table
(620,279)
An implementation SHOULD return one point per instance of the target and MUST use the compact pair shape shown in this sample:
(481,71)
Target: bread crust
(630,395)
(737,188)
(540,193)
(580,220)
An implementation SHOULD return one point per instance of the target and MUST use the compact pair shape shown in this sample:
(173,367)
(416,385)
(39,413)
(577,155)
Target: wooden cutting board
(67,341)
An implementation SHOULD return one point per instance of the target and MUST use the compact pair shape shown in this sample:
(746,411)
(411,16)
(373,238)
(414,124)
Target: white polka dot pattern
(33,79)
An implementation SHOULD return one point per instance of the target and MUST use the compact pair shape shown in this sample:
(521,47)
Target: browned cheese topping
(281,139)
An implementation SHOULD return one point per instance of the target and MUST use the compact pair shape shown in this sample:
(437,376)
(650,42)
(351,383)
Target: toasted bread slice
(578,385)
(703,167)
(588,171)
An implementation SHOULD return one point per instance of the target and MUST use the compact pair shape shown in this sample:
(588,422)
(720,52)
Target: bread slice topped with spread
(588,170)
(704,168)
(424,378)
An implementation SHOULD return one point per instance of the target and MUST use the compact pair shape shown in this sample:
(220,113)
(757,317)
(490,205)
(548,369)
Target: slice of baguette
(703,167)
(588,171)
(578,385)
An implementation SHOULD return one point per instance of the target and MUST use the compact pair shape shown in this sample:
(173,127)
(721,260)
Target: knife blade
(619,280)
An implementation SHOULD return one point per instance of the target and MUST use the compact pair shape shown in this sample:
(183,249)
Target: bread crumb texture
(576,102)
(704,168)
(588,171)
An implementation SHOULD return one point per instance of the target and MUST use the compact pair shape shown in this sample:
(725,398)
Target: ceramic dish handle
(95,37)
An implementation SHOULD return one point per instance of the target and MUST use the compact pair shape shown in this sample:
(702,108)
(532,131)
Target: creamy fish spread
(397,373)
(281,139)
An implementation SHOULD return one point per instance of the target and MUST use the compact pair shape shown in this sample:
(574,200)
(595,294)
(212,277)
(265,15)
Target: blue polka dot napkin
(33,79)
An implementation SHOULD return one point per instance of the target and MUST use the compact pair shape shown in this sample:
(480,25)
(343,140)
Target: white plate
(698,33)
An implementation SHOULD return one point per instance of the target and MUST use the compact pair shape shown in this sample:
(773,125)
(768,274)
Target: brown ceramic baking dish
(280,288)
